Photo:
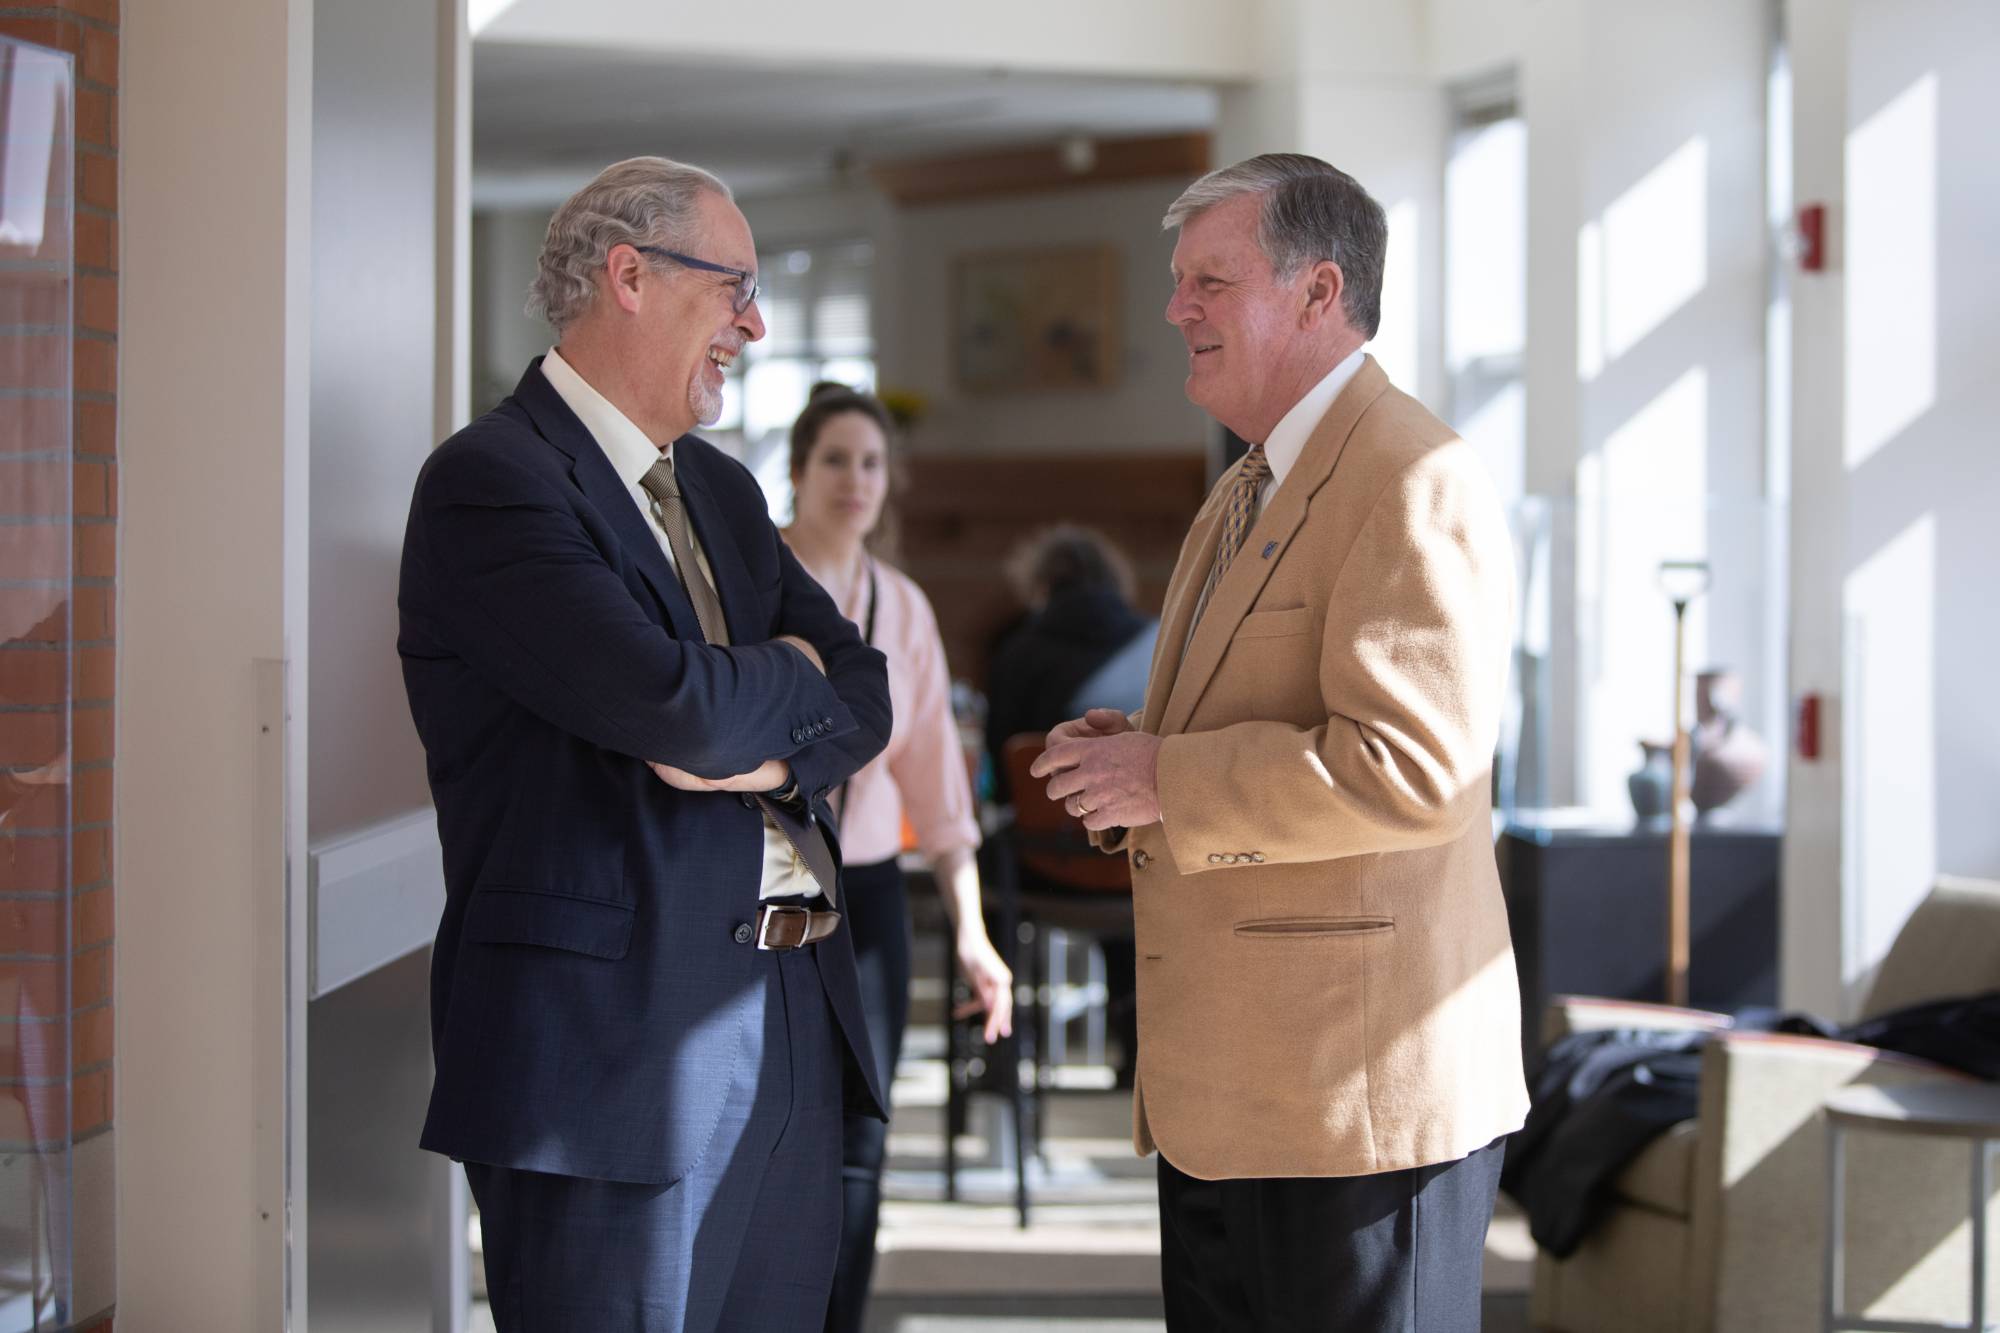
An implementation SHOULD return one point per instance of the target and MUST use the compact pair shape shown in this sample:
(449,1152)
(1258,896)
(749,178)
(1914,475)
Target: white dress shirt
(1289,436)
(632,455)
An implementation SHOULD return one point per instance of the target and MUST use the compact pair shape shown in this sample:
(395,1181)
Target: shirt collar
(1289,436)
(630,452)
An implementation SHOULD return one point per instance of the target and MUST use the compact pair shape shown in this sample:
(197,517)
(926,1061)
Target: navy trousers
(1397,1252)
(744,1242)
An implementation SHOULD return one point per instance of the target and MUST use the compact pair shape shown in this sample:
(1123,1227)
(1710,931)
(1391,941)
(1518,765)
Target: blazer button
(1215,858)
(743,932)
(1257,857)
(1141,859)
(1232,858)
(749,801)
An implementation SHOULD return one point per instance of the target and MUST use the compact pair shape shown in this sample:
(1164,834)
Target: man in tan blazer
(1329,1023)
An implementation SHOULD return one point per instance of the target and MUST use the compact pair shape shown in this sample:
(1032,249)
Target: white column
(1813,910)
(215,160)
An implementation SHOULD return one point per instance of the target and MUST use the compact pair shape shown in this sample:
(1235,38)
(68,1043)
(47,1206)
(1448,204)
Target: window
(815,305)
(1486,277)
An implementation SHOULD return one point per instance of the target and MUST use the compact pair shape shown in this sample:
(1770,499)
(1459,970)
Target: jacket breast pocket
(1275,624)
(504,914)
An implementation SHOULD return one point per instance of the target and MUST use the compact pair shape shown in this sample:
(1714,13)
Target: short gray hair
(1312,211)
(640,201)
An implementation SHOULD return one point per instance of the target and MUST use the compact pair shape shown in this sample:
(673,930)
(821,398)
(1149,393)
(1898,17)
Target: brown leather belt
(783,927)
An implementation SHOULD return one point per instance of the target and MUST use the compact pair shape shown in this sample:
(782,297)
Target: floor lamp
(1682,581)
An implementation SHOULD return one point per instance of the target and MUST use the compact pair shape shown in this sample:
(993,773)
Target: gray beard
(705,403)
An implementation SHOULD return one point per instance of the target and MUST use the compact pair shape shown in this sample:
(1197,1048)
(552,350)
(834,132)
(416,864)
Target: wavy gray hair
(1312,211)
(640,201)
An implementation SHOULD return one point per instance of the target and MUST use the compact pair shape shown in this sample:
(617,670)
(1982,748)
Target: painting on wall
(1035,319)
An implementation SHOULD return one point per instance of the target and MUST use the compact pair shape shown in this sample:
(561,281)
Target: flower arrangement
(906,407)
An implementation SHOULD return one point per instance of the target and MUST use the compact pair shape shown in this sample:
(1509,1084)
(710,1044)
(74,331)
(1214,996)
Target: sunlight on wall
(1641,499)
(1486,300)
(1395,344)
(1486,244)
(1890,824)
(1497,432)
(480,14)
(1892,269)
(1643,259)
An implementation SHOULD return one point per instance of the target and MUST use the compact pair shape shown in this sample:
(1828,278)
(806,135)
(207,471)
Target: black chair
(1043,875)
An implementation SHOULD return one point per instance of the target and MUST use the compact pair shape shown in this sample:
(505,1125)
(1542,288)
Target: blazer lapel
(1262,549)
(1177,611)
(601,485)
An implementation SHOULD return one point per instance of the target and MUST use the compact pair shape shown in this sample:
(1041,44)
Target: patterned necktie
(1250,479)
(671,514)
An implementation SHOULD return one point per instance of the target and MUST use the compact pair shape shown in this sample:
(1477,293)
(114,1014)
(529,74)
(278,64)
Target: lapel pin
(1269,549)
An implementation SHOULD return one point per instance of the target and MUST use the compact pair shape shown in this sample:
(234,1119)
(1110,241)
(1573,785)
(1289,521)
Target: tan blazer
(1325,982)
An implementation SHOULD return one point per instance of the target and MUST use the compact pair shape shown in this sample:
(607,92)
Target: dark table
(1587,908)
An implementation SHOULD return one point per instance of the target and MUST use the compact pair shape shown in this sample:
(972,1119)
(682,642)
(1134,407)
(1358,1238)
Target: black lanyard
(867,637)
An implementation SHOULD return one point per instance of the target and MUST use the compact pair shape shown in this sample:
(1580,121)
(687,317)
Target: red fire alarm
(1808,727)
(1812,238)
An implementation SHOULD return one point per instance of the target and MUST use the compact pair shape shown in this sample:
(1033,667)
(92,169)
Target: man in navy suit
(633,701)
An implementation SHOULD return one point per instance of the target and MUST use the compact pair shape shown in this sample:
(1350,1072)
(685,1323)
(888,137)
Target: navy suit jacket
(590,994)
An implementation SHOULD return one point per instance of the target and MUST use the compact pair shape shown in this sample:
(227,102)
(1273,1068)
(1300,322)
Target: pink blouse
(922,772)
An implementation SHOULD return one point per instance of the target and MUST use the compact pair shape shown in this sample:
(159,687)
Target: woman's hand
(992,983)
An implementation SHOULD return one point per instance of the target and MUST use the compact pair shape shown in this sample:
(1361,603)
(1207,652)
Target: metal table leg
(1836,1227)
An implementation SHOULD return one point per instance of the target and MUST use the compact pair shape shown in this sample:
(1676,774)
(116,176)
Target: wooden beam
(1026,170)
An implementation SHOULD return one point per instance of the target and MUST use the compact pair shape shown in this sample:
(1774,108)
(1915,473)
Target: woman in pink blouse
(840,477)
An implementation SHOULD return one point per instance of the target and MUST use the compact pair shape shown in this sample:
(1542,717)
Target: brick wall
(55,840)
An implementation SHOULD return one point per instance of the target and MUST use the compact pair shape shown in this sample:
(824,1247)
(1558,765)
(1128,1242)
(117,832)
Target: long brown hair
(828,400)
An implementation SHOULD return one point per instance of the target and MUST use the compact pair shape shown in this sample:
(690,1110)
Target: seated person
(1081,645)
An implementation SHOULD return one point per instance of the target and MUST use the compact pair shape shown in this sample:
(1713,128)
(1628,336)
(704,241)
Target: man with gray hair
(633,702)
(1329,1024)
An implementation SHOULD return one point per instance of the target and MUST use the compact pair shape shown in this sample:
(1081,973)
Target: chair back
(1950,946)
(1053,843)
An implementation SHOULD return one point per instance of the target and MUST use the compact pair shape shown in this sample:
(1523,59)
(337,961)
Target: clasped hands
(1103,771)
(767,776)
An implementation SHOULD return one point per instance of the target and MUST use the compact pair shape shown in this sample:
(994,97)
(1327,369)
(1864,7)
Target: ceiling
(545,119)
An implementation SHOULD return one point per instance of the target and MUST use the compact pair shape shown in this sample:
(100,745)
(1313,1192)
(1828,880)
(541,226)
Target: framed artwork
(1035,319)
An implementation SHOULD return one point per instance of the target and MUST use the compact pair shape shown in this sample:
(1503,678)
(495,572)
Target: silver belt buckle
(773,912)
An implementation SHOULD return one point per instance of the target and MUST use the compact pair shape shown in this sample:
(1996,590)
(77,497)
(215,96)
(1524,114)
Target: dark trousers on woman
(877,917)
(1392,1253)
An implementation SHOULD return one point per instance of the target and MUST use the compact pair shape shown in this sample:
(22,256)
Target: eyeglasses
(745,281)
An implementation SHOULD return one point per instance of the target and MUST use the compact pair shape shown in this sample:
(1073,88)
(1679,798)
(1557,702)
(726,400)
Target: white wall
(1811,964)
(1898,620)
(1139,38)
(1470,38)
(504,338)
(1350,83)
(378,336)
(374,338)
(215,159)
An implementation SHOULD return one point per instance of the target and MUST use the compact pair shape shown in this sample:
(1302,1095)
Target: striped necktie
(1254,471)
